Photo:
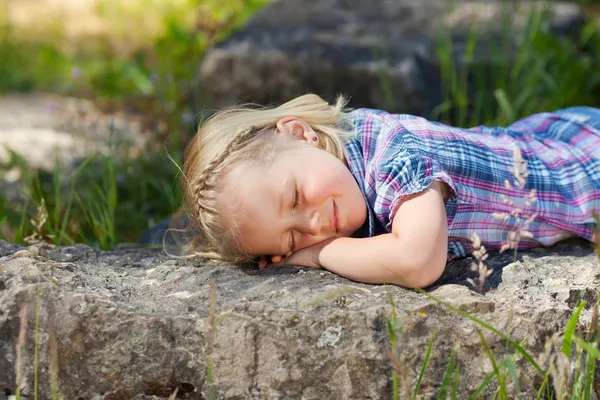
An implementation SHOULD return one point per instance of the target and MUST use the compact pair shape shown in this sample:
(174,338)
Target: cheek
(308,240)
(332,181)
(317,189)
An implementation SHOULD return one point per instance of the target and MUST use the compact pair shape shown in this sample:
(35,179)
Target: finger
(276,259)
(262,262)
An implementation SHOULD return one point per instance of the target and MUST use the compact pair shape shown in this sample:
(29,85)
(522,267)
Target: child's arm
(413,255)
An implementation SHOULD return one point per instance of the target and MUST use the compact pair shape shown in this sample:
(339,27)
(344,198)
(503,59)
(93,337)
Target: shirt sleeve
(405,173)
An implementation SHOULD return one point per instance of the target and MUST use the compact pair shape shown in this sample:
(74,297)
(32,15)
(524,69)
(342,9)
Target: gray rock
(134,323)
(358,47)
(66,131)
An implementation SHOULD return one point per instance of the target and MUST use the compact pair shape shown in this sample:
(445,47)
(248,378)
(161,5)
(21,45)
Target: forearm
(380,259)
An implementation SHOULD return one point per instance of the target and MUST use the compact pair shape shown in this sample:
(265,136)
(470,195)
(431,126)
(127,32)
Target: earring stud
(315,138)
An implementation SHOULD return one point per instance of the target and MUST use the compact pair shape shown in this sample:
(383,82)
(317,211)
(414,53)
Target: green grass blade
(490,354)
(3,222)
(424,366)
(590,348)
(392,326)
(65,221)
(590,363)
(504,103)
(20,235)
(211,383)
(455,386)
(391,331)
(578,377)
(463,99)
(36,353)
(510,366)
(487,326)
(55,219)
(570,330)
(443,393)
(484,384)
(545,386)
(592,357)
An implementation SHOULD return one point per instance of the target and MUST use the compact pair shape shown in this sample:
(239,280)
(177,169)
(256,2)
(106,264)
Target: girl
(382,198)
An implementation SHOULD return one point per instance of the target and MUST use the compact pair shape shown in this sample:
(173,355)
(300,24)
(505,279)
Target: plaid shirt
(393,156)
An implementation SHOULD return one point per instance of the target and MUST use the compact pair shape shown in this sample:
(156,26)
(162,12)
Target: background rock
(358,48)
(134,323)
(55,133)
(45,127)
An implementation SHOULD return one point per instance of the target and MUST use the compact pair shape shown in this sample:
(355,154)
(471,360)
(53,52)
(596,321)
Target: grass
(154,78)
(109,199)
(566,370)
(537,72)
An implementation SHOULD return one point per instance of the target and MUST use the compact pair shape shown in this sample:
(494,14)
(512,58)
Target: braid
(202,191)
(202,182)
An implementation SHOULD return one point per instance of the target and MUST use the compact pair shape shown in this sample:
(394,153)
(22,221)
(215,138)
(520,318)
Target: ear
(297,129)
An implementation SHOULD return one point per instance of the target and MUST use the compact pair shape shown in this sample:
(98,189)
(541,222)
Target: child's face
(305,196)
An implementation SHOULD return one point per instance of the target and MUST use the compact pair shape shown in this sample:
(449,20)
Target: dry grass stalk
(53,348)
(21,346)
(480,254)
(173,395)
(558,367)
(38,222)
(402,370)
(212,314)
(523,220)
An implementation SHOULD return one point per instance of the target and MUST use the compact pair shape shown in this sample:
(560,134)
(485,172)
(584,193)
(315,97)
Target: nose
(314,224)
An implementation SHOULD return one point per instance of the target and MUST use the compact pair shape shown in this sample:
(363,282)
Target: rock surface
(62,128)
(54,133)
(134,323)
(379,52)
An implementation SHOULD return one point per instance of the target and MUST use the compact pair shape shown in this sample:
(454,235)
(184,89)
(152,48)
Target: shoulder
(370,116)
(377,129)
(380,127)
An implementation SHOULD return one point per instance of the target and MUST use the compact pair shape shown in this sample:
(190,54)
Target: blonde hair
(237,135)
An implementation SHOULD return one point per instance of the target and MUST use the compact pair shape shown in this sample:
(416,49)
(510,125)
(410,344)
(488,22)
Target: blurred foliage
(534,71)
(145,65)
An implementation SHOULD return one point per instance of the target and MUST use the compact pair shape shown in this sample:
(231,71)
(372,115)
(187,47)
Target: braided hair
(202,202)
(235,136)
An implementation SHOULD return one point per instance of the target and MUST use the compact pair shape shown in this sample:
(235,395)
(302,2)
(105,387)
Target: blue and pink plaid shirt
(395,155)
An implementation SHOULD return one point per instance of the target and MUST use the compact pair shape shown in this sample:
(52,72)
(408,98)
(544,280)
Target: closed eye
(296,203)
(292,242)
(296,198)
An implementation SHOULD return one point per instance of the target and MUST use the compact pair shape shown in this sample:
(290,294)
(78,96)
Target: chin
(348,232)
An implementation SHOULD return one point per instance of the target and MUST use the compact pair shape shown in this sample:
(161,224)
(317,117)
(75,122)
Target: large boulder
(135,323)
(381,53)
(56,133)
(45,129)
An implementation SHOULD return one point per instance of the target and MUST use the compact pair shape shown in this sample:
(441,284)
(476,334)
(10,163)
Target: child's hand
(269,261)
(307,257)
